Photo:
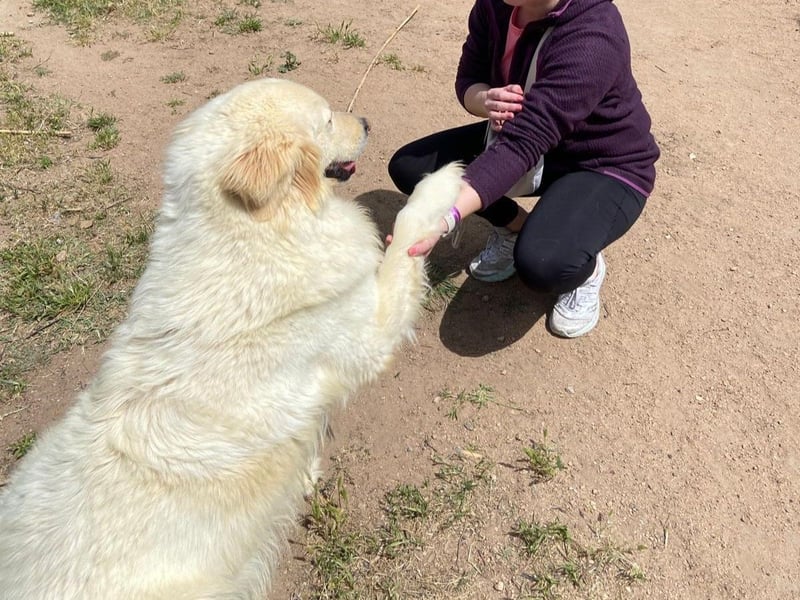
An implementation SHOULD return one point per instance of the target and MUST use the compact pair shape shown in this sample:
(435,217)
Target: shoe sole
(580,332)
(495,277)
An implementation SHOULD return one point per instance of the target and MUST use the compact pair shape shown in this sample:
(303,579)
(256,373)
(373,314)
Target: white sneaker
(577,312)
(496,261)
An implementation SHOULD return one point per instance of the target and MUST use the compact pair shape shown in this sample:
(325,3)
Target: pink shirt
(511,42)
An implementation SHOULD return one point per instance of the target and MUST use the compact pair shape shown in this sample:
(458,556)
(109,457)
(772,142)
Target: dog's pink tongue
(350,167)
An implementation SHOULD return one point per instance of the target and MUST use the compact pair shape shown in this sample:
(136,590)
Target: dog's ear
(270,177)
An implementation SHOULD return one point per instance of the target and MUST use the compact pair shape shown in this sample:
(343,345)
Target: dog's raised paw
(439,189)
(430,201)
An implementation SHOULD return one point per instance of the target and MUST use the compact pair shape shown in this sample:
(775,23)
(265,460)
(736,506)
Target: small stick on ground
(36,132)
(13,412)
(377,56)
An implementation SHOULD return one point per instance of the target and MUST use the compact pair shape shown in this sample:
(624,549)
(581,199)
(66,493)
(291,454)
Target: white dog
(266,300)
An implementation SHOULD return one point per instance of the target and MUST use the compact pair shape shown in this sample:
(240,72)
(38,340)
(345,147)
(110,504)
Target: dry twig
(377,56)
(13,412)
(60,133)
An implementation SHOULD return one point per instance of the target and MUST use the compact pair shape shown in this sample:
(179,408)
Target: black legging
(577,214)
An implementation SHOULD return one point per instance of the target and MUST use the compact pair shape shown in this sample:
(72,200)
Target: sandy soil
(675,416)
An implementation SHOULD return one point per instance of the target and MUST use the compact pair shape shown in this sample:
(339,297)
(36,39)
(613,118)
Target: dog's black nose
(365,124)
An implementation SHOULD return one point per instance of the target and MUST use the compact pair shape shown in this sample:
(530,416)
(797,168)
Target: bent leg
(576,217)
(426,155)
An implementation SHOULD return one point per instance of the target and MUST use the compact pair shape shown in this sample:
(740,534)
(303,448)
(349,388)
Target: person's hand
(422,247)
(502,104)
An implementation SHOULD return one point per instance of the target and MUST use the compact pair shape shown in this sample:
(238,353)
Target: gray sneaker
(578,311)
(496,261)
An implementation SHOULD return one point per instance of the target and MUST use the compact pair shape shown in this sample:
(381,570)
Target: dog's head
(268,146)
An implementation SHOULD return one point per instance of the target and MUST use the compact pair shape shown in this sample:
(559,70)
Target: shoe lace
(497,246)
(569,300)
(581,296)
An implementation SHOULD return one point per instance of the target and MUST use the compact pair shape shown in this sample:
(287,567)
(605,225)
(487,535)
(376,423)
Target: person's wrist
(451,220)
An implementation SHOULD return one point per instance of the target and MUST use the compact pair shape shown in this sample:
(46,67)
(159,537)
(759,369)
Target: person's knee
(539,274)
(401,174)
(550,273)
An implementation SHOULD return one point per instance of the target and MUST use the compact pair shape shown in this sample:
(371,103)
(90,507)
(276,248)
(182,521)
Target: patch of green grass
(479,397)
(175,103)
(535,536)
(46,115)
(109,55)
(175,77)
(293,22)
(290,62)
(457,482)
(22,446)
(99,173)
(78,15)
(392,61)
(260,65)
(406,502)
(163,29)
(10,386)
(71,250)
(253,3)
(57,291)
(106,138)
(13,49)
(100,121)
(558,561)
(37,120)
(543,460)
(249,24)
(232,23)
(441,291)
(226,18)
(106,134)
(343,34)
(81,17)
(38,283)
(369,560)
(336,547)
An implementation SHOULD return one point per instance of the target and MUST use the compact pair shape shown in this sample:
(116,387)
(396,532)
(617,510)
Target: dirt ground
(675,417)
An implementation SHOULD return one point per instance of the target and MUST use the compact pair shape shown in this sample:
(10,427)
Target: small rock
(500,586)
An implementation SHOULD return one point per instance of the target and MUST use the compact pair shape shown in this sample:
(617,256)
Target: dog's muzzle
(340,171)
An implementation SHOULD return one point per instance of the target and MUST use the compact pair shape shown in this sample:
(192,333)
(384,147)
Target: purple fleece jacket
(584,112)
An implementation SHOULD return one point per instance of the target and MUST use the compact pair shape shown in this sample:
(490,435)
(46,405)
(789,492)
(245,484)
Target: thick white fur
(266,300)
